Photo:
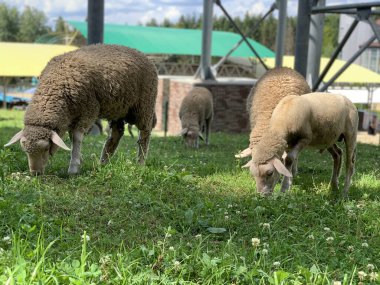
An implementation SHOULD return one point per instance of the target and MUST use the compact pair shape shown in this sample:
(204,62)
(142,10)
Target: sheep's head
(38,143)
(267,174)
(191,137)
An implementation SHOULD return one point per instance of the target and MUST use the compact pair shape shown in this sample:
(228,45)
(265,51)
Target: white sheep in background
(274,85)
(98,81)
(196,113)
(316,120)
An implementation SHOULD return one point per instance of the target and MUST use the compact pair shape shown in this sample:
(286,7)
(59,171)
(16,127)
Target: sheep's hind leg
(208,124)
(336,154)
(77,138)
(350,164)
(116,133)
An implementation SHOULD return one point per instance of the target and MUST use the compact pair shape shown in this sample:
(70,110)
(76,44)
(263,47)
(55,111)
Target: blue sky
(132,12)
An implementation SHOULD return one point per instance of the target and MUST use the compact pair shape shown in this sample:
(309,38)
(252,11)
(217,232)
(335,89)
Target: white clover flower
(6,238)
(266,225)
(105,259)
(276,264)
(226,217)
(229,206)
(171,248)
(264,251)
(238,212)
(370,266)
(360,206)
(255,242)
(337,283)
(330,239)
(373,276)
(364,244)
(85,236)
(266,245)
(350,248)
(198,236)
(327,229)
(310,237)
(110,222)
(362,275)
(176,263)
(226,213)
(168,235)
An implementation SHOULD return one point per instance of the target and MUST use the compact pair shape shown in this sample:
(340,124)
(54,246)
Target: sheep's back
(197,103)
(116,78)
(269,90)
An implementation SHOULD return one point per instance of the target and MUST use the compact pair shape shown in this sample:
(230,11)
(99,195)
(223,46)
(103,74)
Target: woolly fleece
(274,85)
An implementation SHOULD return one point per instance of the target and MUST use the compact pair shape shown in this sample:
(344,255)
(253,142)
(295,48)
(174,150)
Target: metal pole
(302,36)
(315,44)
(255,28)
(281,30)
(205,64)
(348,63)
(375,28)
(95,21)
(335,54)
(241,33)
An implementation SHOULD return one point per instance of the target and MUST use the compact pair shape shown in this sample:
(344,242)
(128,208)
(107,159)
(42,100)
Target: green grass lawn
(187,217)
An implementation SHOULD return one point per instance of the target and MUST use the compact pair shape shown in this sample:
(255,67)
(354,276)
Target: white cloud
(132,11)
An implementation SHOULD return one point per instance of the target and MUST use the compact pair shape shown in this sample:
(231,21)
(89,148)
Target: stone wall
(229,96)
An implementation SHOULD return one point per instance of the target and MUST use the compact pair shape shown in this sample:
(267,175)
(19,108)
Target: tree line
(30,25)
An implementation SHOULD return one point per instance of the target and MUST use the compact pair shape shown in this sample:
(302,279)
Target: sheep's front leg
(287,181)
(76,138)
(143,142)
(336,154)
(291,161)
(116,133)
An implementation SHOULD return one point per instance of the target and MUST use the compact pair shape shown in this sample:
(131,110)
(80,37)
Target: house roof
(160,40)
(354,74)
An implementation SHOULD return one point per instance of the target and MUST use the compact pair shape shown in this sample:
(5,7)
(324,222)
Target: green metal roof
(158,40)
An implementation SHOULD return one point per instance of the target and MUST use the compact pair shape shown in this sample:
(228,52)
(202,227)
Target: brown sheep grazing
(111,82)
(274,85)
(196,113)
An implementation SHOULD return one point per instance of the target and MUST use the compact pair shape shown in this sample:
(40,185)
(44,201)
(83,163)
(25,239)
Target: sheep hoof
(73,170)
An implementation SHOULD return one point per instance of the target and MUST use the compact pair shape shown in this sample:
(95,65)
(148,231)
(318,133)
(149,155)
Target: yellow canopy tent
(354,74)
(27,60)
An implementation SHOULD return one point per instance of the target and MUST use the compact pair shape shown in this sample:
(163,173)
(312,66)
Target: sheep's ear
(201,137)
(15,138)
(244,153)
(248,164)
(58,141)
(184,131)
(280,167)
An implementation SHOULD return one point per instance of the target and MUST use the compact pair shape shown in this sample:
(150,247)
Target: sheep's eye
(270,173)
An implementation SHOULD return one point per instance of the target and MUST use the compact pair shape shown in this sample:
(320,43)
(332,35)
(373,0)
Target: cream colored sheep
(196,113)
(98,81)
(274,85)
(316,120)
